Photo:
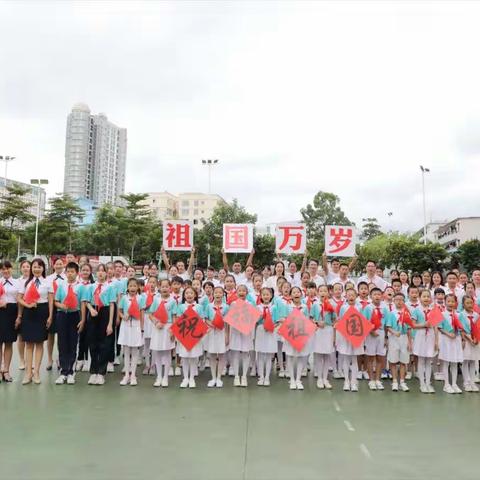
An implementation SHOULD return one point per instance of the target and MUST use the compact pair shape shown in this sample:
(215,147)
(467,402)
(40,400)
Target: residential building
(458,231)
(95,157)
(164,205)
(431,229)
(31,196)
(90,209)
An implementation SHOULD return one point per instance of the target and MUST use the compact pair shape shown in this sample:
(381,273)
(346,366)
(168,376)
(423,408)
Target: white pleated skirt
(424,343)
(323,340)
(195,352)
(148,326)
(214,341)
(471,352)
(265,342)
(450,349)
(130,334)
(344,347)
(240,342)
(161,338)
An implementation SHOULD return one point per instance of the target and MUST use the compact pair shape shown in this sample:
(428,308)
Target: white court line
(337,406)
(349,426)
(365,451)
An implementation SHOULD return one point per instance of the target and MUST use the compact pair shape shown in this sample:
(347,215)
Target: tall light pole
(6,159)
(424,171)
(38,182)
(210,164)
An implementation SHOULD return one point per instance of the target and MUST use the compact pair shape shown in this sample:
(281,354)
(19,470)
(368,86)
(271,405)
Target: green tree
(209,238)
(8,242)
(264,246)
(370,228)
(14,207)
(469,255)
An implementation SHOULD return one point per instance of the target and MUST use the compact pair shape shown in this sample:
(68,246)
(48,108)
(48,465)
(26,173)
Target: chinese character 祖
(178,235)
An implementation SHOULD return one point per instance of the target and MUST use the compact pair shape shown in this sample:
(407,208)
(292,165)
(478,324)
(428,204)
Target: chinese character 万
(292,237)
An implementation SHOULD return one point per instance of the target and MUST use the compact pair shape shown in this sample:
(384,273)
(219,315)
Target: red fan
(242,316)
(189,329)
(31,295)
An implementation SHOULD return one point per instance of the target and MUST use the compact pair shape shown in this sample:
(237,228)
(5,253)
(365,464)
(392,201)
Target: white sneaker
(124,380)
(178,371)
(456,388)
(61,380)
(184,383)
(253,372)
(293,385)
(92,379)
(346,386)
(467,387)
(170,372)
(394,386)
(211,383)
(366,376)
(165,381)
(231,372)
(266,382)
(408,376)
(158,382)
(337,374)
(477,379)
(379,385)
(448,389)
(320,384)
(299,385)
(116,361)
(79,366)
(372,385)
(404,387)
(354,387)
(423,388)
(281,374)
(260,381)
(100,380)
(110,368)
(359,375)
(327,384)
(133,381)
(430,388)
(86,366)
(474,387)
(191,383)
(145,371)
(236,381)
(219,383)
(244,382)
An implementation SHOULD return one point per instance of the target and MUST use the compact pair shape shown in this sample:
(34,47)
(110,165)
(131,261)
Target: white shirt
(379,282)
(44,288)
(184,276)
(11,286)
(294,279)
(458,292)
(240,278)
(333,277)
(318,279)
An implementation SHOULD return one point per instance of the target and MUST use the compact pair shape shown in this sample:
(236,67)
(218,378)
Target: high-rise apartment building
(95,157)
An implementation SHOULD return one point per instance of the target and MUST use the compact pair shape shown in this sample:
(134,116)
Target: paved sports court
(112,432)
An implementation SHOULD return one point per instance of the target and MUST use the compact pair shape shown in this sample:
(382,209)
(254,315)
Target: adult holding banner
(372,277)
(237,238)
(178,237)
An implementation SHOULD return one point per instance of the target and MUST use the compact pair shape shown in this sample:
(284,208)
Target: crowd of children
(423,326)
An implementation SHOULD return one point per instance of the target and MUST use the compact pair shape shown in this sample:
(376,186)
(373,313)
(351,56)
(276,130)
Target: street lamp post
(424,171)
(210,164)
(38,182)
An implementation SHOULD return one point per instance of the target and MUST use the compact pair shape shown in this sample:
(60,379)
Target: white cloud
(292,97)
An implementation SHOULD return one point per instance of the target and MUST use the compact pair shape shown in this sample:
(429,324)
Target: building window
(195,203)
(185,212)
(185,203)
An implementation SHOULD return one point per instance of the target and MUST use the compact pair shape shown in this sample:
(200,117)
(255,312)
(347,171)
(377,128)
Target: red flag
(189,328)
(134,309)
(435,316)
(31,295)
(96,296)
(456,323)
(242,316)
(2,290)
(268,324)
(354,326)
(218,322)
(327,307)
(475,329)
(297,329)
(70,301)
(231,297)
(55,286)
(405,317)
(161,313)
(376,318)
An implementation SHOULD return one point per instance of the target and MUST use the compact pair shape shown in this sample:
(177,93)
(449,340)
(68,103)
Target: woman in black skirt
(9,320)
(25,271)
(36,297)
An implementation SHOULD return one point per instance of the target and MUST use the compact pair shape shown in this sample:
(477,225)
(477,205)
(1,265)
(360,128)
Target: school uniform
(470,352)
(265,341)
(450,349)
(130,334)
(147,324)
(214,340)
(82,337)
(101,295)
(323,338)
(9,313)
(287,348)
(238,341)
(197,350)
(67,324)
(34,320)
(375,345)
(397,346)
(161,338)
(55,278)
(424,339)
(458,291)
(343,346)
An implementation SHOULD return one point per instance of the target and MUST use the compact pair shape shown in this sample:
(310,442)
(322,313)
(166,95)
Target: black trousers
(115,349)
(67,325)
(99,343)
(82,345)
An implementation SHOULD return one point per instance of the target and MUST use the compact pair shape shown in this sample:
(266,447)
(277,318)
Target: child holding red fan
(36,297)
(425,341)
(471,349)
(148,294)
(131,325)
(450,345)
(70,321)
(216,339)
(160,314)
(398,326)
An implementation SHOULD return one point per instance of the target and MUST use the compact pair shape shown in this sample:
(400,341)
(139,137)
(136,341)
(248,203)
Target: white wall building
(95,157)
(431,228)
(453,234)
(164,205)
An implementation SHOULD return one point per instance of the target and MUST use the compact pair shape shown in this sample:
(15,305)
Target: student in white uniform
(471,348)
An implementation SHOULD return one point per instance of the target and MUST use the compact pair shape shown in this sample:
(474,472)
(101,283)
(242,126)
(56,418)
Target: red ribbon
(268,324)
(161,313)
(134,309)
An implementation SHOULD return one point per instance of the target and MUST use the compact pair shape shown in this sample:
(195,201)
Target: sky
(349,97)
